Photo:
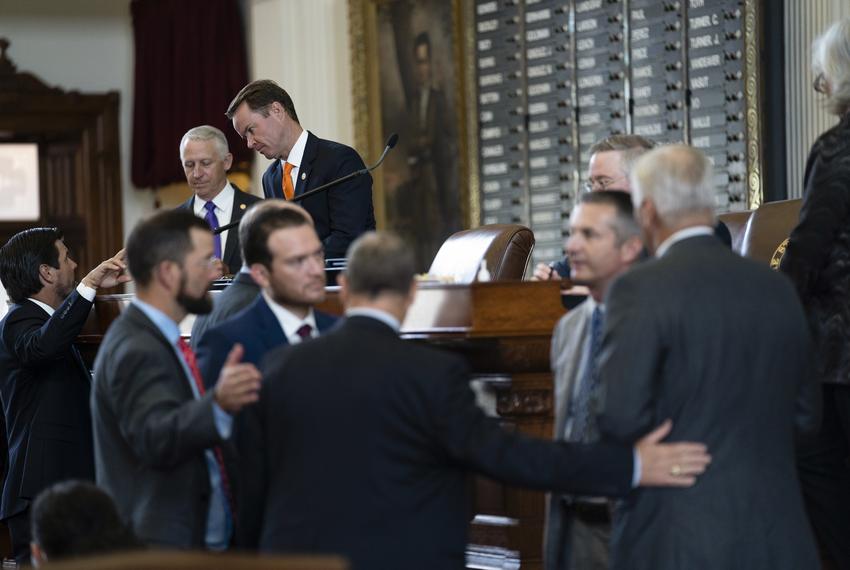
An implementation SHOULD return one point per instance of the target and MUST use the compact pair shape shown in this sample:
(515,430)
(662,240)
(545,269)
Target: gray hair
(632,148)
(831,57)
(678,179)
(206,133)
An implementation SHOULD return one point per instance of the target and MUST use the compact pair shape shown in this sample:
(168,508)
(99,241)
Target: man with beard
(286,259)
(161,439)
(44,382)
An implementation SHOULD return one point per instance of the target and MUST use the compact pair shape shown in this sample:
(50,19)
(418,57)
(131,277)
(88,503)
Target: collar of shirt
(376,314)
(289,322)
(85,292)
(169,329)
(223,203)
(686,233)
(47,308)
(296,154)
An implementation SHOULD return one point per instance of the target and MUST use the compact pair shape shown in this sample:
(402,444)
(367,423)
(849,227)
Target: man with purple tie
(206,159)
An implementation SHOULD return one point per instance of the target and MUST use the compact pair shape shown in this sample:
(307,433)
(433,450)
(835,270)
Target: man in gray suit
(604,242)
(719,344)
(243,289)
(160,437)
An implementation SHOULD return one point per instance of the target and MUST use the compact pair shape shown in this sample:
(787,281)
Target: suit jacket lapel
(236,212)
(306,166)
(573,352)
(141,320)
(277,179)
(324,322)
(269,327)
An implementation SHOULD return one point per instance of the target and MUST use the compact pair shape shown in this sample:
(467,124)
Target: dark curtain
(190,63)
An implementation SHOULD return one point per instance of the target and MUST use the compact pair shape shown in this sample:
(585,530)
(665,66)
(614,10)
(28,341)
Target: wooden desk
(504,330)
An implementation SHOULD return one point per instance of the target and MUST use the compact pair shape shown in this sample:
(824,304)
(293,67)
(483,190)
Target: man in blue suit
(264,115)
(286,260)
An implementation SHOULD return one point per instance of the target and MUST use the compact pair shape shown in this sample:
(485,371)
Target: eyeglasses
(819,83)
(601,183)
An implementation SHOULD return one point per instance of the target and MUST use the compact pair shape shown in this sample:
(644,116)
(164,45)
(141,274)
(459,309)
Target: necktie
(212,220)
(288,189)
(581,411)
(189,357)
(305,331)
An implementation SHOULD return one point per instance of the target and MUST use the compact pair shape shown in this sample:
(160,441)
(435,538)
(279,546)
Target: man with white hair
(718,344)
(206,159)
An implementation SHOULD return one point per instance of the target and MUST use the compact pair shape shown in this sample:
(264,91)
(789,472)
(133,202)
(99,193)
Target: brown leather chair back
(768,229)
(174,560)
(737,224)
(506,247)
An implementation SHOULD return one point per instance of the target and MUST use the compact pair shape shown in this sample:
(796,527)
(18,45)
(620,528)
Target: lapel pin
(303,176)
(242,206)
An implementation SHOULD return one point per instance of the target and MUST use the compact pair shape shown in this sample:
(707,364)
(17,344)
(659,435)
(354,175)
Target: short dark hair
(164,236)
(625,225)
(256,245)
(422,39)
(379,262)
(622,143)
(259,95)
(77,518)
(21,257)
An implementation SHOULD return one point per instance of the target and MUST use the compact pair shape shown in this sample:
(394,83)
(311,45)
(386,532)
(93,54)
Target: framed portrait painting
(410,62)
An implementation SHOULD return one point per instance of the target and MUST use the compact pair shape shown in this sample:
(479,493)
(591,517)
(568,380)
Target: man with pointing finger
(161,439)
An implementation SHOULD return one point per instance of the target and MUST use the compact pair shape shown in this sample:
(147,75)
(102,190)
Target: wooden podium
(503,329)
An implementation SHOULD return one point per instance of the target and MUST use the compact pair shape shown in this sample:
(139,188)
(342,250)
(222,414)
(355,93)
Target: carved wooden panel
(79,160)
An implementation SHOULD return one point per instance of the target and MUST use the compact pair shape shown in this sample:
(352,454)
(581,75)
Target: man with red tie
(162,439)
(264,115)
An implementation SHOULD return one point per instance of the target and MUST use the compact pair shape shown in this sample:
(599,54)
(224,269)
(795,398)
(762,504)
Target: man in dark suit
(285,256)
(264,115)
(242,291)
(44,383)
(161,437)
(370,460)
(609,168)
(206,159)
(719,344)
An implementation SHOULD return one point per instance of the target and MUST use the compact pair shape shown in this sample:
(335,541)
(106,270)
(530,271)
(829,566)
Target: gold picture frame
(379,66)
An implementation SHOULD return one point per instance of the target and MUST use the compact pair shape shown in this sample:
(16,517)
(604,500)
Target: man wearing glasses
(611,162)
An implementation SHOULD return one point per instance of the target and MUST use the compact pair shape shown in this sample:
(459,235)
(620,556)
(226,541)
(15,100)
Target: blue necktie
(581,411)
(212,220)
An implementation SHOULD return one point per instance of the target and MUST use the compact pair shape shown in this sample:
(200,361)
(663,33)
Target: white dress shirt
(289,323)
(223,211)
(295,157)
(85,292)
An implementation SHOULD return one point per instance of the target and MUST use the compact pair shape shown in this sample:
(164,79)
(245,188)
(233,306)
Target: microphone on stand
(391,142)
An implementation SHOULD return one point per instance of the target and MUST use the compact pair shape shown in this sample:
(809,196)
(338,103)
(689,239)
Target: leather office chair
(506,248)
(737,224)
(175,560)
(768,228)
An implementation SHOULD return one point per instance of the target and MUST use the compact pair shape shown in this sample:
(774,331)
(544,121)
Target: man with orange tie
(264,115)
